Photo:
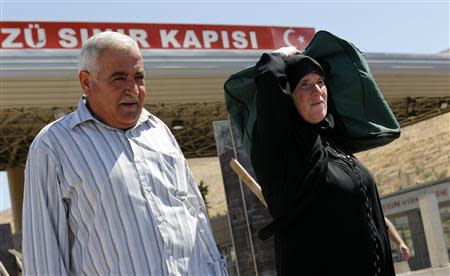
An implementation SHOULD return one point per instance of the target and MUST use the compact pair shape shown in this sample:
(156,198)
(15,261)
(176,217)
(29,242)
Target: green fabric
(366,120)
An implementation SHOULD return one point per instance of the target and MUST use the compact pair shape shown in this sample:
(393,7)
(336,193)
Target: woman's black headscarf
(298,66)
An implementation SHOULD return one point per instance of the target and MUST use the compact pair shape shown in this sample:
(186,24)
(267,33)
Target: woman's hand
(287,51)
(404,251)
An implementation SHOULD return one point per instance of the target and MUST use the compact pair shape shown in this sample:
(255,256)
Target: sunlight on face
(116,93)
(310,98)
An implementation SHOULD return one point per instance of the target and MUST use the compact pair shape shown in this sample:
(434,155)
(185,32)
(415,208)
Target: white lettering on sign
(140,36)
(12,34)
(225,41)
(97,31)
(410,200)
(67,38)
(239,40)
(84,35)
(72,35)
(208,37)
(253,40)
(167,38)
(35,36)
(190,39)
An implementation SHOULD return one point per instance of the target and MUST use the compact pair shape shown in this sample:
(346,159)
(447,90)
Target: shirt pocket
(183,197)
(173,171)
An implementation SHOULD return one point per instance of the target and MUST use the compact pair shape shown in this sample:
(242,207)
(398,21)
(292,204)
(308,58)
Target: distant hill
(208,170)
(6,216)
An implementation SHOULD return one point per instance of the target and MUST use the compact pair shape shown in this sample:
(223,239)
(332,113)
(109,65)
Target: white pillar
(16,183)
(434,233)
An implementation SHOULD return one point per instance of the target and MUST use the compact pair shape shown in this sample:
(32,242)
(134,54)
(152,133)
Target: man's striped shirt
(103,201)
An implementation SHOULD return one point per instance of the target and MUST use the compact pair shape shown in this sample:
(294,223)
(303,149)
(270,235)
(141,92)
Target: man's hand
(395,236)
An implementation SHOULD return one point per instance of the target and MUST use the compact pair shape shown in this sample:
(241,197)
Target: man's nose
(131,87)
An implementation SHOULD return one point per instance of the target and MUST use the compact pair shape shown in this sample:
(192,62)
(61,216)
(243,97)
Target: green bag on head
(364,119)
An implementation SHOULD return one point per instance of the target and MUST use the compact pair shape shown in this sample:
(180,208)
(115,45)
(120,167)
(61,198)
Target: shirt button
(147,188)
(169,251)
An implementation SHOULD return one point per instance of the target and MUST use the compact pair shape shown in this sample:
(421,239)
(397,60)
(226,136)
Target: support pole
(437,248)
(16,184)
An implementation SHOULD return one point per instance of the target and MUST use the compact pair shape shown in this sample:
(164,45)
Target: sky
(373,26)
(5,202)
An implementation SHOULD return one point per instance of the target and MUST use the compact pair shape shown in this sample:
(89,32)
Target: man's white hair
(95,45)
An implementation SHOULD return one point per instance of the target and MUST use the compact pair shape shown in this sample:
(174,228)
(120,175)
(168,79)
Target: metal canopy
(38,86)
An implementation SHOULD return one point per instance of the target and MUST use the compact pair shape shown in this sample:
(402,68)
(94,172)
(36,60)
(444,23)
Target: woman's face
(310,98)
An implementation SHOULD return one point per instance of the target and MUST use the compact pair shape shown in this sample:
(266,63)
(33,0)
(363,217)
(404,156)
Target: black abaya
(327,213)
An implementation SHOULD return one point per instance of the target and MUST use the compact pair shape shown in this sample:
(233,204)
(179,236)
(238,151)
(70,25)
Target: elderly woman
(327,213)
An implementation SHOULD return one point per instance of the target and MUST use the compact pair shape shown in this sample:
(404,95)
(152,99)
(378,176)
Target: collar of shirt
(83,114)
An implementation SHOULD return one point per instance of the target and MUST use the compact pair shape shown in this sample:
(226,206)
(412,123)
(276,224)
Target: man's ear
(85,81)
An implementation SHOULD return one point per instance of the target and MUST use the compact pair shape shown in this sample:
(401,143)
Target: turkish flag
(297,37)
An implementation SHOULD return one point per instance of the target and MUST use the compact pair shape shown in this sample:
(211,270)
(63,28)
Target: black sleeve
(273,99)
(271,127)
(278,126)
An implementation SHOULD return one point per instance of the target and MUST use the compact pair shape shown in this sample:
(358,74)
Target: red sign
(72,35)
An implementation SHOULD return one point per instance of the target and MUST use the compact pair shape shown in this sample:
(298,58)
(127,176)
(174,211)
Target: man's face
(115,93)
(310,98)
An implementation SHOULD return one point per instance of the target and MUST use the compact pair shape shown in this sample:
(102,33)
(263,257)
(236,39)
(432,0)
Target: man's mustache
(132,100)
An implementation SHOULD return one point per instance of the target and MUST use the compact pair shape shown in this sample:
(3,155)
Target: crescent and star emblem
(286,34)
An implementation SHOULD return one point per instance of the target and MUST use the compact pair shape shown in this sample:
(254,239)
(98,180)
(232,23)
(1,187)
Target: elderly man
(107,189)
